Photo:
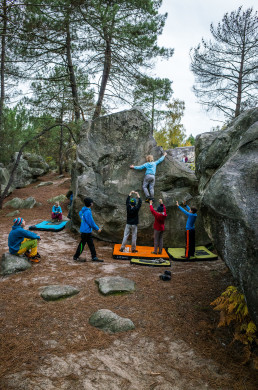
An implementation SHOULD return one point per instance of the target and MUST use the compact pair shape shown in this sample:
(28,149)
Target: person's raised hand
(131,166)
(165,154)
(177,203)
(150,202)
(160,201)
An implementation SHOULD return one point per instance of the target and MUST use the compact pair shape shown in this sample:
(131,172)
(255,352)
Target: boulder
(11,264)
(59,198)
(13,213)
(56,292)
(110,322)
(227,166)
(30,167)
(44,183)
(18,203)
(4,178)
(115,284)
(180,152)
(108,146)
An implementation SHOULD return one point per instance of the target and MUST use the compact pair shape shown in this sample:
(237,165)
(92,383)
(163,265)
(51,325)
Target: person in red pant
(159,225)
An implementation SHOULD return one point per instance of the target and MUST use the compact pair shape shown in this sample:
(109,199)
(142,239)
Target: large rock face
(108,146)
(227,166)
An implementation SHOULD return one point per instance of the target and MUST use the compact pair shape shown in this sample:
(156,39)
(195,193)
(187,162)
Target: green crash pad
(201,253)
(151,262)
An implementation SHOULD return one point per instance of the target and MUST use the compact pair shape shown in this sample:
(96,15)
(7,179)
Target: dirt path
(51,346)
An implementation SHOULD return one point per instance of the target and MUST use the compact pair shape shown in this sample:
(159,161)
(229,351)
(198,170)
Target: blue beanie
(133,201)
(17,221)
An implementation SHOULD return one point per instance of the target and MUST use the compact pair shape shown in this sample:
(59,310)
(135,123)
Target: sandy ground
(51,345)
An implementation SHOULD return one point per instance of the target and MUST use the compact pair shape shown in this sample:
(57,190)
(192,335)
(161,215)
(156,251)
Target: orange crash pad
(144,252)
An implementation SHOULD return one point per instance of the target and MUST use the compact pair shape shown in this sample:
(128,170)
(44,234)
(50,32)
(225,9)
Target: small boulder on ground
(44,183)
(55,292)
(11,264)
(115,284)
(13,213)
(110,322)
(59,198)
(18,203)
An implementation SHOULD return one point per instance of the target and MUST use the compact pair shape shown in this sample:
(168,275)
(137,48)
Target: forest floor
(176,344)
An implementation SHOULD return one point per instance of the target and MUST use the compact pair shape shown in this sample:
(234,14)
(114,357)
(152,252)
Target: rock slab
(56,292)
(115,284)
(110,322)
(12,264)
(227,168)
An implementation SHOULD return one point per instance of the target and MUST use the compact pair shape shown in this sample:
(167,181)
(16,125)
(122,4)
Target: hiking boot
(167,273)
(154,253)
(97,260)
(134,251)
(164,277)
(37,256)
(79,260)
(121,250)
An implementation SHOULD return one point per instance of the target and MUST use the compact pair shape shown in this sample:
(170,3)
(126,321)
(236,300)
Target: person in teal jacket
(191,214)
(87,225)
(149,178)
(57,212)
(22,241)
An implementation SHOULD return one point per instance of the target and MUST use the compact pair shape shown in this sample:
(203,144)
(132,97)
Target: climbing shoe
(147,200)
(34,259)
(164,277)
(121,250)
(134,251)
(154,253)
(97,260)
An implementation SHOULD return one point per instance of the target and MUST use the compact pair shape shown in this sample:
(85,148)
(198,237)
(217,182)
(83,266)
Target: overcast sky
(187,23)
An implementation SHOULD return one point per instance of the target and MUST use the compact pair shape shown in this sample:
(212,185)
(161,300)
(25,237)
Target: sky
(187,23)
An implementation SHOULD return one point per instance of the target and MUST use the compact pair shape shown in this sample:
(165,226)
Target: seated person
(21,241)
(57,212)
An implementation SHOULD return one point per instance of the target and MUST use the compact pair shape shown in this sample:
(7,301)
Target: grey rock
(4,178)
(16,203)
(110,322)
(59,198)
(228,171)
(108,146)
(44,183)
(13,213)
(115,284)
(180,152)
(12,264)
(56,292)
(30,167)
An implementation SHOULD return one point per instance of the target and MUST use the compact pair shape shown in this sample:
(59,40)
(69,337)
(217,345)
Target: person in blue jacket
(21,241)
(190,229)
(149,178)
(57,212)
(87,224)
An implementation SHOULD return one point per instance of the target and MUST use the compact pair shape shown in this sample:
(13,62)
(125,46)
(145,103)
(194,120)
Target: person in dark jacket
(87,225)
(191,213)
(132,208)
(21,241)
(159,225)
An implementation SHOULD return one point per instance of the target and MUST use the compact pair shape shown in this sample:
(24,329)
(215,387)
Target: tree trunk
(105,76)
(240,78)
(3,43)
(61,145)
(72,75)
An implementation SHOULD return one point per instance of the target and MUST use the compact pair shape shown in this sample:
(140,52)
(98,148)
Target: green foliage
(233,310)
(172,133)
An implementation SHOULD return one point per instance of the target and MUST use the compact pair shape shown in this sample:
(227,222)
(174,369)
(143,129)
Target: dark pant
(189,243)
(86,238)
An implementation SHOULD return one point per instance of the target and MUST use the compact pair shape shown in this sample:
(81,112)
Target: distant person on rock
(149,178)
(132,209)
(57,212)
(87,224)
(159,225)
(21,241)
(190,229)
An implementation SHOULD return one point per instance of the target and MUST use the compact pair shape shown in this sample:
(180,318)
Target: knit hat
(160,209)
(17,221)
(88,202)
(133,201)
